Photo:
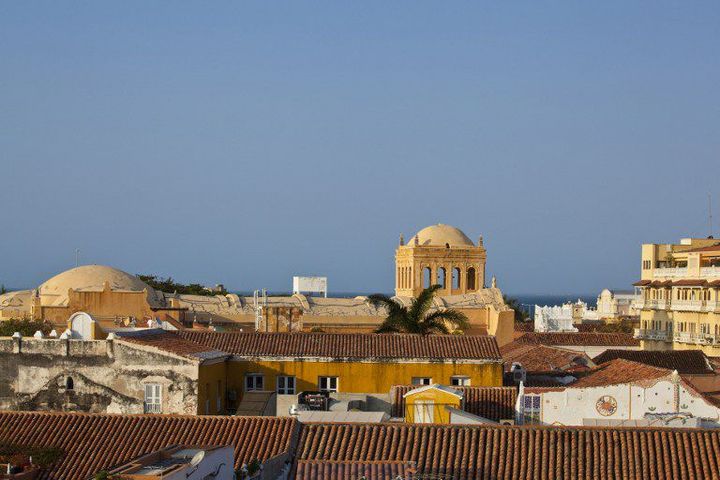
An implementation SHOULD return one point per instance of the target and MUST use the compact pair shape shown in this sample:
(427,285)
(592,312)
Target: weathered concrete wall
(106,376)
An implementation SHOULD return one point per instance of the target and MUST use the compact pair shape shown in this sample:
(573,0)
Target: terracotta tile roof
(493,403)
(642,283)
(372,470)
(591,339)
(349,345)
(524,326)
(543,359)
(684,361)
(95,442)
(689,283)
(169,342)
(620,371)
(513,453)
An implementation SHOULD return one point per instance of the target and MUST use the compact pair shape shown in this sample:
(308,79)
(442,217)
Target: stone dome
(441,235)
(89,278)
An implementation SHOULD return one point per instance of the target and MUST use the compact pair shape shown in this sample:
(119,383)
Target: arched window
(471,279)
(442,277)
(456,278)
(427,277)
(69,384)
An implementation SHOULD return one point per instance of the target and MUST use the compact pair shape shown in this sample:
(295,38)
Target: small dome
(441,235)
(89,278)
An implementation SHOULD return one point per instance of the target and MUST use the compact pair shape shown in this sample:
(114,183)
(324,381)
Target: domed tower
(439,255)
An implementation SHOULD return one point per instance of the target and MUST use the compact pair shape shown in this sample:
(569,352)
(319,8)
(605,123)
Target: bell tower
(439,255)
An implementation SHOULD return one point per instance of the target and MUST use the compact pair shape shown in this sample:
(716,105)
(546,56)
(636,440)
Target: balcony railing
(657,304)
(710,271)
(712,307)
(644,334)
(688,305)
(671,272)
(682,272)
(699,339)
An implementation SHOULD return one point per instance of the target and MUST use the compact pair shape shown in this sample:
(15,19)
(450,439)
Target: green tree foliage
(3,289)
(27,328)
(169,285)
(41,456)
(520,314)
(416,318)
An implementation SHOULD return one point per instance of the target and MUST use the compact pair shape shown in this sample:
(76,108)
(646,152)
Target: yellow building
(429,404)
(348,366)
(680,301)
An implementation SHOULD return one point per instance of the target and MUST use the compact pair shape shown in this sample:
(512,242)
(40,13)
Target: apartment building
(680,301)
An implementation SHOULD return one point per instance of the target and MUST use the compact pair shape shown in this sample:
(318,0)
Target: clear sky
(244,142)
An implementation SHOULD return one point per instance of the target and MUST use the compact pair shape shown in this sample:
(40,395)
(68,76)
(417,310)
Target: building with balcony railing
(680,296)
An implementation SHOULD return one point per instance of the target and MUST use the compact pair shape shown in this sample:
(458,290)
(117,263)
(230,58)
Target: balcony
(712,307)
(697,339)
(673,272)
(683,272)
(688,305)
(710,271)
(644,334)
(657,304)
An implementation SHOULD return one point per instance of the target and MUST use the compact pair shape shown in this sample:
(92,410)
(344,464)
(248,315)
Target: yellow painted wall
(208,378)
(439,399)
(357,377)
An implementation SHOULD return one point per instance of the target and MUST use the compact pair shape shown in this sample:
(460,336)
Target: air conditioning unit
(507,421)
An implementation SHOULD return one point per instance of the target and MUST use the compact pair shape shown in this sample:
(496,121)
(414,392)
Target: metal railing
(645,334)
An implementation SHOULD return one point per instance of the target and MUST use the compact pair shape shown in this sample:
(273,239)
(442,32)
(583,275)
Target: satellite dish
(197,458)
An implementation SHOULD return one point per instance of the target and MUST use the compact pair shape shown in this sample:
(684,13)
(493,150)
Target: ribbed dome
(440,235)
(88,278)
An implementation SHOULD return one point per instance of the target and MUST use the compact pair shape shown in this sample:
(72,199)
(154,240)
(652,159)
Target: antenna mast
(710,224)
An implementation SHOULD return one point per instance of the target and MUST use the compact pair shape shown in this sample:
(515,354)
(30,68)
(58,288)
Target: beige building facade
(116,299)
(680,300)
(439,255)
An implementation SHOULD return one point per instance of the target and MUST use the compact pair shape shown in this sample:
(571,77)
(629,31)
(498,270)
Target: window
(460,381)
(153,398)
(442,280)
(471,278)
(424,411)
(531,409)
(286,385)
(427,277)
(456,278)
(422,381)
(69,384)
(328,384)
(254,382)
(218,398)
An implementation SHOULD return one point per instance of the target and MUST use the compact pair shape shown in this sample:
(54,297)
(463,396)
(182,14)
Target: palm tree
(416,319)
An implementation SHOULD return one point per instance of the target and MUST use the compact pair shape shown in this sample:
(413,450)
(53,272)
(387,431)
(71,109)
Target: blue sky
(244,142)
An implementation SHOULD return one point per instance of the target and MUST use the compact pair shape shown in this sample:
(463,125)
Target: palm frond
(454,317)
(422,303)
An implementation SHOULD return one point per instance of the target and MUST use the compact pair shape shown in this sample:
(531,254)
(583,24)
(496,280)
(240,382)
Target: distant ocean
(523,299)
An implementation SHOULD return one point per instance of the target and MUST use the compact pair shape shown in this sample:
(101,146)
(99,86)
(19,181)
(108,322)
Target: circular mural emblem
(606,405)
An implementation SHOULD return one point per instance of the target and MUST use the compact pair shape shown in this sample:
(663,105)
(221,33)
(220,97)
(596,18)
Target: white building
(618,391)
(612,304)
(560,318)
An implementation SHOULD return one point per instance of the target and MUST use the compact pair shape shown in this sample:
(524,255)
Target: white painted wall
(571,406)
